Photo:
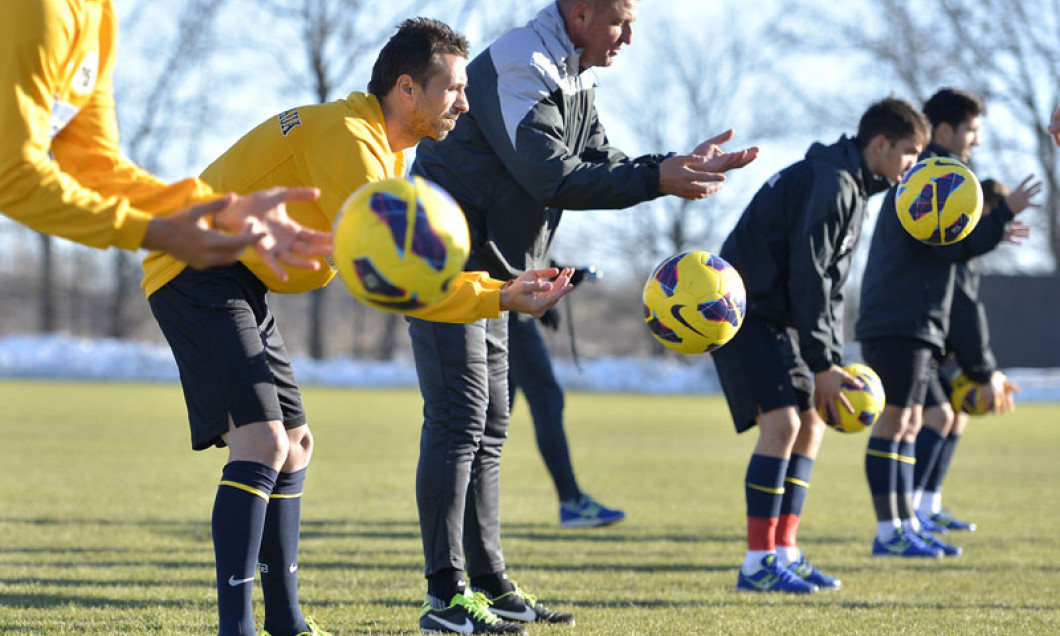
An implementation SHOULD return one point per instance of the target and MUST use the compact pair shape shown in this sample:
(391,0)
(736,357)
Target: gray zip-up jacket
(795,241)
(531,146)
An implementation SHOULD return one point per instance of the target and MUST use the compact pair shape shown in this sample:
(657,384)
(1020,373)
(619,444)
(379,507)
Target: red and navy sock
(764,490)
(796,485)
(278,557)
(238,519)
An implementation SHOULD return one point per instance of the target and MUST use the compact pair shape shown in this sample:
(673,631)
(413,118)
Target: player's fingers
(548,272)
(294,259)
(846,403)
(269,259)
(722,137)
(701,172)
(275,196)
(312,242)
(211,207)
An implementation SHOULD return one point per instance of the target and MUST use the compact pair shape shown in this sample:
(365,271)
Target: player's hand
(700,174)
(282,239)
(686,176)
(186,235)
(717,160)
(534,293)
(1021,198)
(1054,126)
(828,385)
(1016,231)
(1003,392)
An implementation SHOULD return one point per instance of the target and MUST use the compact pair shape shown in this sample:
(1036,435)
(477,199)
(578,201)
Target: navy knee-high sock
(928,447)
(942,466)
(906,470)
(238,519)
(278,557)
(881,470)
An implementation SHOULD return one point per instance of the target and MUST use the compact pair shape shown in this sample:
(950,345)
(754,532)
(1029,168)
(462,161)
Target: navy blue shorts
(761,370)
(231,357)
(907,367)
(941,389)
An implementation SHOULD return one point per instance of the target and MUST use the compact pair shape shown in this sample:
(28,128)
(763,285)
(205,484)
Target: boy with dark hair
(238,382)
(906,299)
(793,247)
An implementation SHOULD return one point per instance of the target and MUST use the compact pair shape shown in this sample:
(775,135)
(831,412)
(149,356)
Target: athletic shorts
(907,367)
(230,354)
(761,370)
(941,389)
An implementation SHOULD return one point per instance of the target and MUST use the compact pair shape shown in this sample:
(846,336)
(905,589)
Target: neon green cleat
(314,630)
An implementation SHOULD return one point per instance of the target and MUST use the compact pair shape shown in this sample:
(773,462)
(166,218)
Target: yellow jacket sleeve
(475,295)
(56,59)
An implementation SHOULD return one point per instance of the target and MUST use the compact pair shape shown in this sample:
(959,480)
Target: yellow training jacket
(56,96)
(336,147)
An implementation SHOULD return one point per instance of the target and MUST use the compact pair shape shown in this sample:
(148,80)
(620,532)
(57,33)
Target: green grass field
(104,519)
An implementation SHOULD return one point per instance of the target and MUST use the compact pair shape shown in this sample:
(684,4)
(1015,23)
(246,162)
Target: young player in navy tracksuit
(793,247)
(906,299)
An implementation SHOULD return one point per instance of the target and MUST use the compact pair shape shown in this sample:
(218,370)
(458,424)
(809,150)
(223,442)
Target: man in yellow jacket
(61,171)
(238,382)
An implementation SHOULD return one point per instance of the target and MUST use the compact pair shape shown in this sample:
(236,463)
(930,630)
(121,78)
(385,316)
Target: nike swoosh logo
(466,628)
(675,311)
(234,582)
(293,568)
(527,615)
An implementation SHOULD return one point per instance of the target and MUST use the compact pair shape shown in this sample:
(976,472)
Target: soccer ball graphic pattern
(866,396)
(694,302)
(939,201)
(400,243)
(968,397)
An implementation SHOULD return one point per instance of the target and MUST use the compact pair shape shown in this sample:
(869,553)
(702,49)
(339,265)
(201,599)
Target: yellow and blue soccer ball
(866,396)
(694,302)
(967,396)
(399,244)
(939,201)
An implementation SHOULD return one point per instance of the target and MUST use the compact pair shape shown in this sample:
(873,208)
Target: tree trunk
(316,323)
(47,286)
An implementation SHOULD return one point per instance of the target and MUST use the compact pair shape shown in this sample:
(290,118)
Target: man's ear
(405,86)
(943,133)
(581,13)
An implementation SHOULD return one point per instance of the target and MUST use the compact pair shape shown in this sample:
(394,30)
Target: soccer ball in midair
(967,396)
(939,201)
(694,302)
(400,243)
(866,396)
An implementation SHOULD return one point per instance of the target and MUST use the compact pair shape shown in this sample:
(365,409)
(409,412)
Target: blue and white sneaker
(904,544)
(927,525)
(946,520)
(773,577)
(588,513)
(933,541)
(810,574)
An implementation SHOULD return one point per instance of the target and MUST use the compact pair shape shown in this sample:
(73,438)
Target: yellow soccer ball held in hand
(968,396)
(866,396)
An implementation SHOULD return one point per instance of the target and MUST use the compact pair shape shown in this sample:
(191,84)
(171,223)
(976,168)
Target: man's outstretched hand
(536,290)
